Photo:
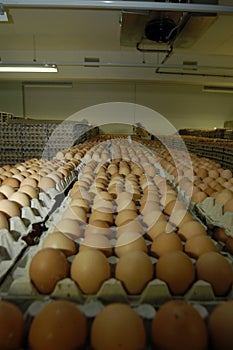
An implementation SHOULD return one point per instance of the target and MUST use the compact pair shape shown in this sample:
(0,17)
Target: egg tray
(214,214)
(30,308)
(21,230)
(18,284)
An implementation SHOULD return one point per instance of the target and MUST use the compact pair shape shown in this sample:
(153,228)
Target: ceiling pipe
(119,5)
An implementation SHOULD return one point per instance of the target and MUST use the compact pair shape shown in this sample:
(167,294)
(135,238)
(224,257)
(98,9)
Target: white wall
(182,105)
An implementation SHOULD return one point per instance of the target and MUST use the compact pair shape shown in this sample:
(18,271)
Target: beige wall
(182,105)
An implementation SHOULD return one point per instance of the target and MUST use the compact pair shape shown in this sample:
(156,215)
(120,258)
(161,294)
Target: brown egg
(47,267)
(226,174)
(130,241)
(173,206)
(2,196)
(179,217)
(213,173)
(224,196)
(101,215)
(9,208)
(125,216)
(228,206)
(220,234)
(229,245)
(198,245)
(118,326)
(178,326)
(80,202)
(132,226)
(58,325)
(214,268)
(164,243)
(177,270)
(58,240)
(7,190)
(4,224)
(89,269)
(12,326)
(29,190)
(98,227)
(157,228)
(202,173)
(151,218)
(75,213)
(199,197)
(190,229)
(29,181)
(134,269)
(46,183)
(96,241)
(21,198)
(69,227)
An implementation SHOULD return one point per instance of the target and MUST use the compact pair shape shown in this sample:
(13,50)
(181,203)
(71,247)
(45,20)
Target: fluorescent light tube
(219,89)
(22,68)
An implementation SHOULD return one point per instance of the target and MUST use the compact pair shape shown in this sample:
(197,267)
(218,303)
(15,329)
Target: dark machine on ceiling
(155,30)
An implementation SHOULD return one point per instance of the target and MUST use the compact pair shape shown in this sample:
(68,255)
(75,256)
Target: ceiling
(67,35)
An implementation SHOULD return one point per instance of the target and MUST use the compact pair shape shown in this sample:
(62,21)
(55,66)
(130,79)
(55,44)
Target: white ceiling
(66,36)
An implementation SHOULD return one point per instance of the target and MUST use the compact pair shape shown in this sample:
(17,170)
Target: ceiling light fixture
(28,68)
(219,89)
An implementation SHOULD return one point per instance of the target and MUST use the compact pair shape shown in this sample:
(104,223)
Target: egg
(214,268)
(75,213)
(96,241)
(46,183)
(130,241)
(220,326)
(133,226)
(151,218)
(177,270)
(220,234)
(164,243)
(198,197)
(190,229)
(80,202)
(9,208)
(21,198)
(125,216)
(7,190)
(58,325)
(134,269)
(228,206)
(60,241)
(179,217)
(118,326)
(226,174)
(98,227)
(13,182)
(157,228)
(29,181)
(229,245)
(12,326)
(69,227)
(4,224)
(173,206)
(29,190)
(178,326)
(47,267)
(198,245)
(100,215)
(89,269)
(224,196)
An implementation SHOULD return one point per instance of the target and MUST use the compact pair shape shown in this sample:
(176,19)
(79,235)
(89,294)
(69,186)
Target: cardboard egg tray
(214,214)
(18,284)
(147,312)
(12,242)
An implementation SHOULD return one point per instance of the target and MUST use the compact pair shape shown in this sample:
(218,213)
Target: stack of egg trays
(12,243)
(155,293)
